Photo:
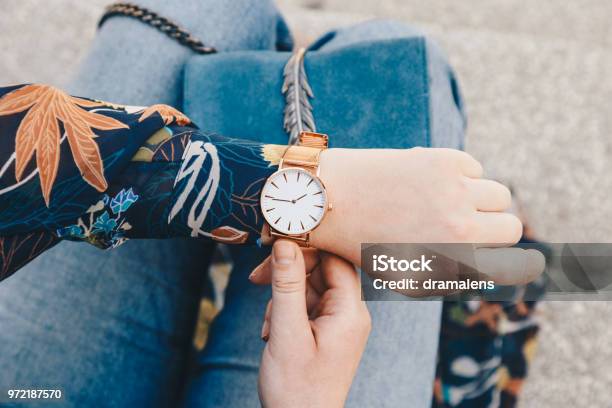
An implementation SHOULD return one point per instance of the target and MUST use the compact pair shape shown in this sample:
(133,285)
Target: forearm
(80,169)
(183,183)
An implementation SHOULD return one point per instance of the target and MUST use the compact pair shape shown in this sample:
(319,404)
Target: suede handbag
(365,95)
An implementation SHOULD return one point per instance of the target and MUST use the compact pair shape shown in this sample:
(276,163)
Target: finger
(316,279)
(312,299)
(510,266)
(468,164)
(489,195)
(262,274)
(340,275)
(343,298)
(265,328)
(498,229)
(288,317)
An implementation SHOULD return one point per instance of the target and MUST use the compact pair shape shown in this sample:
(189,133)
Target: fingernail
(283,252)
(255,271)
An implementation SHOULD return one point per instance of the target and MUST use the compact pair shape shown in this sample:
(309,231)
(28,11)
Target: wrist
(327,235)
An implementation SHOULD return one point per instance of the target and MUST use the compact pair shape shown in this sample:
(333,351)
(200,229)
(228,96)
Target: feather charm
(298,110)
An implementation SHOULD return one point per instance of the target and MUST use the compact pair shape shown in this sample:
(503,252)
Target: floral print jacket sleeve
(81,169)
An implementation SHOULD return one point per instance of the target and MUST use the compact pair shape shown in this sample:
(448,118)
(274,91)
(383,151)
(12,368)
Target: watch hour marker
(302,224)
(313,218)
(270,209)
(285,176)
(273,184)
(298,177)
(276,222)
(311,180)
(289,226)
(268,196)
(320,192)
(319,206)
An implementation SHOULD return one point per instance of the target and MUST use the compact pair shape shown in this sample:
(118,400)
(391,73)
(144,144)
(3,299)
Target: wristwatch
(293,199)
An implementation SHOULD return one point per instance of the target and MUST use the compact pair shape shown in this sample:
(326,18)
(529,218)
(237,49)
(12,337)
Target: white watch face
(293,201)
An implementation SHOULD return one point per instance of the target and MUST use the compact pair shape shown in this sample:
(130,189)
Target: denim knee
(225,25)
(132,63)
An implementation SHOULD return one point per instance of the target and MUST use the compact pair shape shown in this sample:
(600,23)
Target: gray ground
(535,78)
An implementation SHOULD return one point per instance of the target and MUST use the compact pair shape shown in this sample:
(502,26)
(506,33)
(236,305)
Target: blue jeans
(115,328)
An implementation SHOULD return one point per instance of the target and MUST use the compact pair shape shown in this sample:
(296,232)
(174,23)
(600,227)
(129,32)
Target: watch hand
(279,199)
(298,199)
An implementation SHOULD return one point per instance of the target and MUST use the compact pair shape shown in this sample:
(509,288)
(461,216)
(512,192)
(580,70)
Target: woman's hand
(423,196)
(316,329)
(420,195)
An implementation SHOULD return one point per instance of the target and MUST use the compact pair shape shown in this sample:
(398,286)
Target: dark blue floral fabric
(485,347)
(87,170)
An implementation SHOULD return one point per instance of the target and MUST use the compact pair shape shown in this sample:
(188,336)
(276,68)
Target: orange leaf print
(47,152)
(229,235)
(86,156)
(168,114)
(88,103)
(39,133)
(29,129)
(21,99)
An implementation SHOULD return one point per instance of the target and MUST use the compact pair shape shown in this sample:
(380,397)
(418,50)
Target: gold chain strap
(162,24)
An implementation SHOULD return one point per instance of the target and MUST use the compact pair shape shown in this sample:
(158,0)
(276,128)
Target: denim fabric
(114,328)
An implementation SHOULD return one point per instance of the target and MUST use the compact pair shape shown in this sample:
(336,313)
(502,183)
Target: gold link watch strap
(311,139)
(304,155)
